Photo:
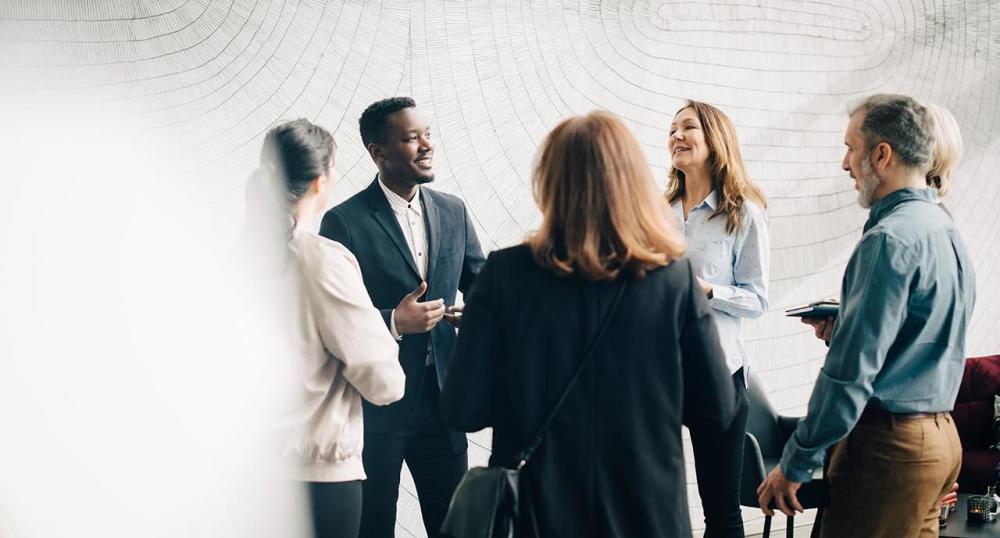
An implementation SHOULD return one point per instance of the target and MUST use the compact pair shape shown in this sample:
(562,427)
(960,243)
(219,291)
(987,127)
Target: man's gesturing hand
(414,317)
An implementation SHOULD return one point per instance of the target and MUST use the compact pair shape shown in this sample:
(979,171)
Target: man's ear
(882,156)
(376,152)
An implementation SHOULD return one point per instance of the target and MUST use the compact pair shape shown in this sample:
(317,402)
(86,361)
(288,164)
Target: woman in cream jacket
(344,351)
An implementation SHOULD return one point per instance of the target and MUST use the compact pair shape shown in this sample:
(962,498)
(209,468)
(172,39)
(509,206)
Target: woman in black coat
(611,464)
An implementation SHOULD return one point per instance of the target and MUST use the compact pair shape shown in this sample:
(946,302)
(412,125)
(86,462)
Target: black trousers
(436,462)
(718,462)
(336,508)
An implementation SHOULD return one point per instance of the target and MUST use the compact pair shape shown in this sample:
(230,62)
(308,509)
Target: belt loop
(892,421)
(936,423)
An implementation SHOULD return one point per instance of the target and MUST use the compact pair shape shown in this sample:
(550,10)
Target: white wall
(210,77)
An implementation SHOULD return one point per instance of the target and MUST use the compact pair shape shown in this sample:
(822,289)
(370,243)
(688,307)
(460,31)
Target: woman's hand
(705,287)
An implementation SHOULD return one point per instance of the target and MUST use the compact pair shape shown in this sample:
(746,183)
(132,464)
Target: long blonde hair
(601,213)
(948,148)
(729,177)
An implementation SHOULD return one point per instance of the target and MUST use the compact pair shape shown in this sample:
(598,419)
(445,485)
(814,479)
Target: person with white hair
(948,148)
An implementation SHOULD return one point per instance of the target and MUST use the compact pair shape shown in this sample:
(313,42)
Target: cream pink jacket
(346,354)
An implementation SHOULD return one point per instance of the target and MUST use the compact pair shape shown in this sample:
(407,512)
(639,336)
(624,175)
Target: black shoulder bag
(485,504)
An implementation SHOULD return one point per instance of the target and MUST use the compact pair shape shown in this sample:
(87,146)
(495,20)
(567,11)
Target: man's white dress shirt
(410,215)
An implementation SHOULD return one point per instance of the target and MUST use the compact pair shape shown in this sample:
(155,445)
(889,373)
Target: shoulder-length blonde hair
(729,177)
(601,212)
(948,148)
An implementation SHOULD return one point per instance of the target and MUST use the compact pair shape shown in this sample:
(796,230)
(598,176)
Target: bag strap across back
(591,352)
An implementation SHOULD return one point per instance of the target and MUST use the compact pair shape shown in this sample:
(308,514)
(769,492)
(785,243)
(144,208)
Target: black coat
(612,463)
(366,225)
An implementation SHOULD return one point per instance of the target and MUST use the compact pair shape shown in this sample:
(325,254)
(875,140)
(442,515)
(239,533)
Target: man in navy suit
(416,248)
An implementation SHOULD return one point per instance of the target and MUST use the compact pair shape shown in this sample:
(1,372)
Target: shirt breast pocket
(711,268)
(717,263)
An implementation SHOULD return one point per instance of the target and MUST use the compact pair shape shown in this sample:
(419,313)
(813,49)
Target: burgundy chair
(973,416)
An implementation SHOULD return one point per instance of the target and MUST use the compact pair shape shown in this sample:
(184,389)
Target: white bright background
(206,78)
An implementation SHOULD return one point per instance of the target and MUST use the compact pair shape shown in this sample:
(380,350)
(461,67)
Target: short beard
(420,180)
(867,183)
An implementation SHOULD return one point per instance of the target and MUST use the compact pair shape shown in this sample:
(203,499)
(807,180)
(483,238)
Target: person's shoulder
(753,213)
(320,253)
(347,212)
(910,224)
(666,289)
(443,199)
(888,247)
(516,254)
(509,261)
(919,216)
(679,270)
(753,208)
(357,201)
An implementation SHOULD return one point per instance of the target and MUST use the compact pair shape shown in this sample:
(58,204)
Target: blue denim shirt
(899,341)
(734,264)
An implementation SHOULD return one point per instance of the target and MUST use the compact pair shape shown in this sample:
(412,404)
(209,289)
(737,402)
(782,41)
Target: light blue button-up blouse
(735,264)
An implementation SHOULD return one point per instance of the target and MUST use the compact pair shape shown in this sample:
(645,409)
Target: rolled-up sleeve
(874,298)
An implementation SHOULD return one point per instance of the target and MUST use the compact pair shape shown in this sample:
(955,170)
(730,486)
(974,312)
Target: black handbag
(488,502)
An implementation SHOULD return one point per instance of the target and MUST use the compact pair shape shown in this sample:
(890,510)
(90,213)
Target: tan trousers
(887,476)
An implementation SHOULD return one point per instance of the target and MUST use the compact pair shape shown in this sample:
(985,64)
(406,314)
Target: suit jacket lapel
(433,221)
(382,213)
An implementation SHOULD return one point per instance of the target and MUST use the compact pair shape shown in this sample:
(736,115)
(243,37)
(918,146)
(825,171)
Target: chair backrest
(973,410)
(753,471)
(762,421)
(762,441)
(767,433)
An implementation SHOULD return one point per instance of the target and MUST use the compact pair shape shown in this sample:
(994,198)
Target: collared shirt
(735,264)
(899,342)
(410,215)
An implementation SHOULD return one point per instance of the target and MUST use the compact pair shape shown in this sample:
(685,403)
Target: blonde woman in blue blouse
(725,226)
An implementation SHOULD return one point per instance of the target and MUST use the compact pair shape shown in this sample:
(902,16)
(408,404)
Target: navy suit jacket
(366,225)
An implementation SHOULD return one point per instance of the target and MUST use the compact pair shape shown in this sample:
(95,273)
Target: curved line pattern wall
(214,75)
